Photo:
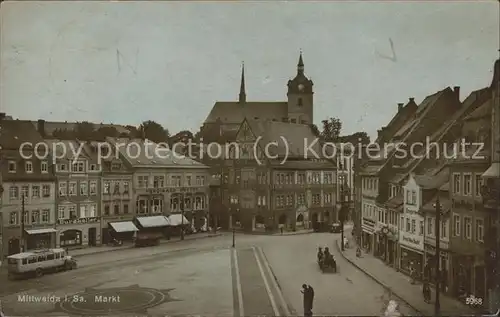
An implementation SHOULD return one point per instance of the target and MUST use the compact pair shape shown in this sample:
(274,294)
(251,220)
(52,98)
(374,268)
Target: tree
(106,131)
(84,130)
(315,130)
(154,131)
(355,138)
(331,129)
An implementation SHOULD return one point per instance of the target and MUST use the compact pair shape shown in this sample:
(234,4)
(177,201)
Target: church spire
(243,95)
(300,65)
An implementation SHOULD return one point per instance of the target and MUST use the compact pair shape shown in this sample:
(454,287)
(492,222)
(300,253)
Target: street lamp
(182,216)
(437,206)
(234,201)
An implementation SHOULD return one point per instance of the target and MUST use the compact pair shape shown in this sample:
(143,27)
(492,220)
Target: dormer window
(78,167)
(115,166)
(93,167)
(28,167)
(12,166)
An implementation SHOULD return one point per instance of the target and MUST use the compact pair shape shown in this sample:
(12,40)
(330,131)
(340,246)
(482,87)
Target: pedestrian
(426,290)
(1,310)
(308,293)
(281,229)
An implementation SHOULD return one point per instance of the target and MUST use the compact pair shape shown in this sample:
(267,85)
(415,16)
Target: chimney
(400,106)
(2,115)
(41,127)
(456,90)
(411,99)
(379,133)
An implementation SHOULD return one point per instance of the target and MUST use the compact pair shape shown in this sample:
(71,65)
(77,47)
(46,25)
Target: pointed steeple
(300,65)
(243,95)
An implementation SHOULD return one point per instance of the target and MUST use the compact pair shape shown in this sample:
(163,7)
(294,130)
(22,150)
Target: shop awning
(177,220)
(153,221)
(40,231)
(124,226)
(493,171)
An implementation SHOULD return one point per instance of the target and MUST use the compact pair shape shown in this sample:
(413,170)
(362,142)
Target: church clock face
(301,87)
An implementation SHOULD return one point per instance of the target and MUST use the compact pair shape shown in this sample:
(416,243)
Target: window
(408,228)
(408,197)
(125,209)
(93,188)
(456,183)
(61,212)
(142,181)
(93,167)
(106,188)
(456,225)
(12,166)
(116,209)
(78,167)
(479,183)
(25,191)
(35,191)
(26,217)
(62,189)
(188,180)
(106,210)
(299,102)
(93,211)
(72,212)
(72,189)
(83,211)
(35,216)
(125,187)
(13,192)
(468,227)
(479,230)
(83,189)
(116,188)
(61,168)
(175,180)
(28,165)
(13,218)
(46,190)
(444,231)
(467,185)
(402,223)
(430,226)
(421,229)
(413,226)
(116,166)
(44,167)
(413,197)
(158,182)
(46,215)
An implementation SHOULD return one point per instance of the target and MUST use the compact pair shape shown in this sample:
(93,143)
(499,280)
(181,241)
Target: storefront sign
(410,241)
(175,190)
(77,221)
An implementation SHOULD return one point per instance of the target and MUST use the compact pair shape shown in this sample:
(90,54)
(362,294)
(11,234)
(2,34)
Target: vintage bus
(38,262)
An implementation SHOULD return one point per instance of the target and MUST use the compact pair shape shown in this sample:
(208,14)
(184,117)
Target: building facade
(78,201)
(164,183)
(28,210)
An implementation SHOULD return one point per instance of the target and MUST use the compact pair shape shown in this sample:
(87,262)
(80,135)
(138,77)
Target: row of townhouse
(279,189)
(57,198)
(399,193)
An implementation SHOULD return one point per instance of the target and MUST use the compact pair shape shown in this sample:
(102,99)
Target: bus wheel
(39,272)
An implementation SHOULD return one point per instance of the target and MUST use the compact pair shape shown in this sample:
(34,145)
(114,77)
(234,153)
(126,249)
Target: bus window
(25,261)
(51,256)
(31,260)
(12,261)
(58,255)
(41,258)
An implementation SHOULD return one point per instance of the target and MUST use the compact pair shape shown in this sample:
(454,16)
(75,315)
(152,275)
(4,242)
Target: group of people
(325,256)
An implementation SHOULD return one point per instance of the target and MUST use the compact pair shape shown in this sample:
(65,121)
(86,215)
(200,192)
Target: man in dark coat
(308,292)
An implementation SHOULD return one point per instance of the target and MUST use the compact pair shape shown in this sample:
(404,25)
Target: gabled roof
(66,149)
(431,180)
(235,112)
(297,137)
(51,126)
(15,132)
(481,112)
(395,201)
(444,201)
(304,165)
(145,153)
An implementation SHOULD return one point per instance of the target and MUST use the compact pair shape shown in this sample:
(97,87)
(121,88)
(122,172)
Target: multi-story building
(78,199)
(116,194)
(28,198)
(164,182)
(269,184)
(345,173)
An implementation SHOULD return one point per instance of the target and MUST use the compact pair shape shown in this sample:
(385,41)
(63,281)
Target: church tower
(300,97)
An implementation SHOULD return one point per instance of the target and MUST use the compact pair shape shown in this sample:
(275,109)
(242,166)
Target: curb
(133,246)
(291,234)
(377,280)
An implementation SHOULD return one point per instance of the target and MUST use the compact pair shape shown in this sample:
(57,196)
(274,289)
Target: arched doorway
(300,219)
(282,219)
(14,246)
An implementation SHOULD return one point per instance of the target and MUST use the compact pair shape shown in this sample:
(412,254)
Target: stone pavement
(399,284)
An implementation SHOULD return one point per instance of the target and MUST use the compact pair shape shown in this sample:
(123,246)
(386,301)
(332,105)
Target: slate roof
(149,154)
(235,112)
(444,201)
(371,168)
(296,136)
(14,132)
(482,111)
(66,149)
(432,181)
(304,165)
(395,202)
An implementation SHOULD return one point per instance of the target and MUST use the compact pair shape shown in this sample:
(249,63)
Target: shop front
(367,234)
(106,227)
(40,238)
(74,233)
(411,253)
(387,244)
(444,263)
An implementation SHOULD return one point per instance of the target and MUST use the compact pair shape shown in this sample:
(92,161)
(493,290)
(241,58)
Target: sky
(126,62)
